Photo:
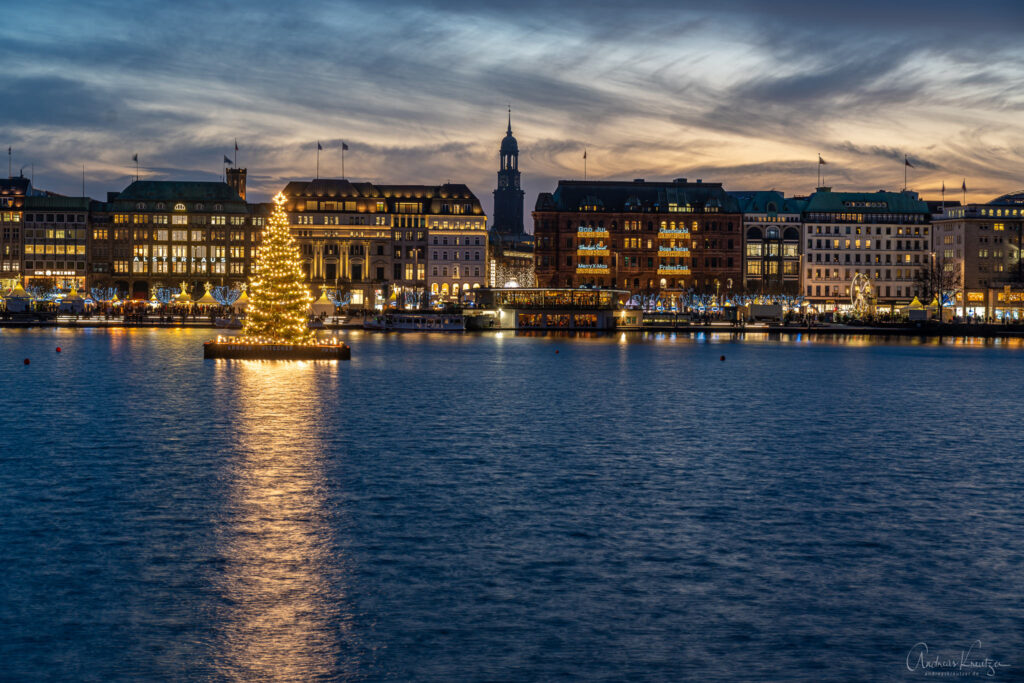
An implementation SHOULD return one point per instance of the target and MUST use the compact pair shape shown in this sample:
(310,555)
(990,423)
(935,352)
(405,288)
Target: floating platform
(242,351)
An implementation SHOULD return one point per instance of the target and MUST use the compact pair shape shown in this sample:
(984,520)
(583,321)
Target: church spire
(509,120)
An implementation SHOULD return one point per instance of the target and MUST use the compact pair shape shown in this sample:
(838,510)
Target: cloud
(740,91)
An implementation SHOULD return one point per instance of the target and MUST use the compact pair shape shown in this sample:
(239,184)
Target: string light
(278,298)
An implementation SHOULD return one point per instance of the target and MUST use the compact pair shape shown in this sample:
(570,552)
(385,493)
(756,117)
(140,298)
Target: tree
(936,279)
(279,300)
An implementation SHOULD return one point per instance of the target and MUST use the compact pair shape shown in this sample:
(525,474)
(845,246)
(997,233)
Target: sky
(743,92)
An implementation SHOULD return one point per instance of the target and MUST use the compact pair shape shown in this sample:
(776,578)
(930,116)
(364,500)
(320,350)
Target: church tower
(508,198)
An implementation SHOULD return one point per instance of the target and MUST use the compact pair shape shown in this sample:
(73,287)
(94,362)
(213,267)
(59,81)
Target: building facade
(645,237)
(981,244)
(158,234)
(13,192)
(771,241)
(885,236)
(55,242)
(376,244)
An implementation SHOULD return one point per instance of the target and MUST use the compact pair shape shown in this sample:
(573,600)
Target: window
(179,220)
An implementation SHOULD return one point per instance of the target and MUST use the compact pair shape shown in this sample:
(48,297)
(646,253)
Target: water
(467,508)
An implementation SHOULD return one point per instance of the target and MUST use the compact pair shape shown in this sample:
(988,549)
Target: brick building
(645,237)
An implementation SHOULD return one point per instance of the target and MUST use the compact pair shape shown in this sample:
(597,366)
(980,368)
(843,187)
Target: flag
(344,147)
(964,186)
(236,144)
(135,158)
(319,147)
(821,161)
(907,161)
(227,160)
(584,154)
(943,187)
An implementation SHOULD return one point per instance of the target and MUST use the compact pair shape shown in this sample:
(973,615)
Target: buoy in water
(556,350)
(722,358)
(26,361)
(58,349)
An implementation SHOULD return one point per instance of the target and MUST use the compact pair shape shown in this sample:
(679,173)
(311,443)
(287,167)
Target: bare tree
(938,278)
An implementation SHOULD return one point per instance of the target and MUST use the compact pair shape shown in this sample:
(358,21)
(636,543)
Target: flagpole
(343,159)
(318,159)
(906,164)
(83,180)
(10,171)
(819,169)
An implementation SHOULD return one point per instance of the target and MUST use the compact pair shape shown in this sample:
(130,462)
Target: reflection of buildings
(982,243)
(375,240)
(883,235)
(771,242)
(640,236)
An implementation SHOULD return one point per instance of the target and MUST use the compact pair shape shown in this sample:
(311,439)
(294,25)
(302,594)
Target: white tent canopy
(323,305)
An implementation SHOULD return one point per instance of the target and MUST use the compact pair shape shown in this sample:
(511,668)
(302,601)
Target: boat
(316,324)
(416,322)
(232,323)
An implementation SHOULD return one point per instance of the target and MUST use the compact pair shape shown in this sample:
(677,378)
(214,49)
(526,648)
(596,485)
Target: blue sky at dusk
(742,92)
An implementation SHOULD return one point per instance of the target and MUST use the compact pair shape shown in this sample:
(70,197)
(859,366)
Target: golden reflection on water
(283,610)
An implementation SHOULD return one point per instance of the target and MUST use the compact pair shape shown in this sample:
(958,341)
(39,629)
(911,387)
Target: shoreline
(921,329)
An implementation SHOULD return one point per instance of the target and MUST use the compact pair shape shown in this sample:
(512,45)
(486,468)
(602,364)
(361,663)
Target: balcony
(592,233)
(673,270)
(674,250)
(592,251)
(593,268)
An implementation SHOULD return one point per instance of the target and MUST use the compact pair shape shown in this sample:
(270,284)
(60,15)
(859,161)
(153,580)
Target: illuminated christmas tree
(278,298)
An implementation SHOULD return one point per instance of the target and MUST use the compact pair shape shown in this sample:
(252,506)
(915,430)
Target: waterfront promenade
(921,329)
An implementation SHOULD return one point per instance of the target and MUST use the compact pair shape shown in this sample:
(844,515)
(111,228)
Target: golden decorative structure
(278,298)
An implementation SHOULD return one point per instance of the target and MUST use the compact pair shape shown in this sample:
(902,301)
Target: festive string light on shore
(278,298)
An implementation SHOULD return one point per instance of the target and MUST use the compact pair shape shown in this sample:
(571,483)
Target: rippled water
(498,507)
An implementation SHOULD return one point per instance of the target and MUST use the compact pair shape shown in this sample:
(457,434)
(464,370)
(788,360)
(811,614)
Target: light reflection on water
(496,507)
(281,602)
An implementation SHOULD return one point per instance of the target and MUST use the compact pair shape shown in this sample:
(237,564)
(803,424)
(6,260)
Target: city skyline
(737,95)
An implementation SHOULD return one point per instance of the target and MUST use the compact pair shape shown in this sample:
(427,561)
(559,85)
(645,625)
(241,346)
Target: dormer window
(140,205)
(179,207)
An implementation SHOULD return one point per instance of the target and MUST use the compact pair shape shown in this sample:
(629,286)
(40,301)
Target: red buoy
(556,350)
(26,361)
(722,358)
(58,349)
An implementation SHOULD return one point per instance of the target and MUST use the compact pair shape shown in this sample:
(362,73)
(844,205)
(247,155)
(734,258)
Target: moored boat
(416,322)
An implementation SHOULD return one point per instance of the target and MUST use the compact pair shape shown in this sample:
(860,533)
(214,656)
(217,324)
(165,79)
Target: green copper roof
(826,201)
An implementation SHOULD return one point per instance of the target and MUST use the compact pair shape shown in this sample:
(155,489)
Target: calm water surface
(461,508)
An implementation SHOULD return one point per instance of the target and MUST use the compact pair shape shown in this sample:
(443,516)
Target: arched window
(444,288)
(433,288)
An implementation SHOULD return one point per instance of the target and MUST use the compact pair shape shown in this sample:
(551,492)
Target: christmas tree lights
(279,300)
